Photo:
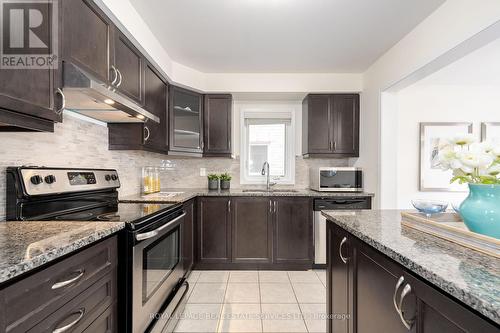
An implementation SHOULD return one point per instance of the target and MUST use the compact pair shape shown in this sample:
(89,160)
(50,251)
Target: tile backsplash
(79,143)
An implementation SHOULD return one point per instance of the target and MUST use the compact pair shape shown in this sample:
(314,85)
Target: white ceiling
(479,68)
(296,36)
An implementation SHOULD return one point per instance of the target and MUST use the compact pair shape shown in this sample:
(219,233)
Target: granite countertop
(467,275)
(190,193)
(25,246)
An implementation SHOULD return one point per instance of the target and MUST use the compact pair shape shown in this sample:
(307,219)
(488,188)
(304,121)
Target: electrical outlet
(203,172)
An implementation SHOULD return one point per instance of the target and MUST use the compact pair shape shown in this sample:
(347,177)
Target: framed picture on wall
(432,177)
(490,131)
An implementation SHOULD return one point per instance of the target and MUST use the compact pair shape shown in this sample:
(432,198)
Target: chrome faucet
(265,172)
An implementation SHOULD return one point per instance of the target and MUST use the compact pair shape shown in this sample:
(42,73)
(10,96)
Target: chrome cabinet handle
(229,206)
(398,285)
(120,78)
(80,312)
(407,322)
(344,259)
(274,206)
(331,146)
(115,75)
(270,206)
(63,106)
(334,145)
(151,234)
(62,284)
(147,133)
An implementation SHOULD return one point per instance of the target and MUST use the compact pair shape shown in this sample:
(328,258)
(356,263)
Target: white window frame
(278,113)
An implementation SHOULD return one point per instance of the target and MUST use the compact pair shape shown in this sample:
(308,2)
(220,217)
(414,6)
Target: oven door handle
(154,233)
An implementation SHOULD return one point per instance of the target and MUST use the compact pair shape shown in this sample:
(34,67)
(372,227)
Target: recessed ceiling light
(140,116)
(109,101)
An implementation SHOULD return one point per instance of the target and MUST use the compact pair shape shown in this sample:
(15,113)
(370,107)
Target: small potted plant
(213,181)
(225,181)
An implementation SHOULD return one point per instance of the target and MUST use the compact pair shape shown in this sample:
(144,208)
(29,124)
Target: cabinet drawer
(30,300)
(106,322)
(84,310)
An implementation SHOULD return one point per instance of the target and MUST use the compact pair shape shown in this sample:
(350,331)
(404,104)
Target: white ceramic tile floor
(255,301)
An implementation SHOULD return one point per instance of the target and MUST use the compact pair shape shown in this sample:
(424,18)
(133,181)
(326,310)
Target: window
(267,137)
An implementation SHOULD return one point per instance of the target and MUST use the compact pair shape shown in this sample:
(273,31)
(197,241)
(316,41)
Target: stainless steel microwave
(336,179)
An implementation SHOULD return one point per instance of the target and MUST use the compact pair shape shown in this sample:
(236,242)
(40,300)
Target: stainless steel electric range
(154,285)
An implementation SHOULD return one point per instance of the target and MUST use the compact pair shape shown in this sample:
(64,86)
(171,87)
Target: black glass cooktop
(123,212)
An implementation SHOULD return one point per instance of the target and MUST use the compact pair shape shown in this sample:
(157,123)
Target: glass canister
(148,180)
(156,180)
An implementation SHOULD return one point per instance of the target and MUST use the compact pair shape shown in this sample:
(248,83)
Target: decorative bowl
(430,207)
(456,207)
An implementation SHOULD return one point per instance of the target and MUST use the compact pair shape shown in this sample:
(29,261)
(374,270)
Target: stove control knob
(107,177)
(50,179)
(36,179)
(114,177)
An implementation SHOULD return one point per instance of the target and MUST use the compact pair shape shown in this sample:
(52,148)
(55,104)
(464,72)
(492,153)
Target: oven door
(157,269)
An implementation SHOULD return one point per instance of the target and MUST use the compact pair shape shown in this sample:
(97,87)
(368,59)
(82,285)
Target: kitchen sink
(269,191)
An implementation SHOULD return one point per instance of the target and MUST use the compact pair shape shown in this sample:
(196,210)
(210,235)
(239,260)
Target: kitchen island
(394,277)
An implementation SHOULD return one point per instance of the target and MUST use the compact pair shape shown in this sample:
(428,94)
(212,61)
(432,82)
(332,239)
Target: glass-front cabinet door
(185,121)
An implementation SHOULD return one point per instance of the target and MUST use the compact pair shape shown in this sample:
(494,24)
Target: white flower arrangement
(470,161)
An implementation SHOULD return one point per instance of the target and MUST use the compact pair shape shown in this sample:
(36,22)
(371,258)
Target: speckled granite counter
(187,194)
(25,246)
(467,275)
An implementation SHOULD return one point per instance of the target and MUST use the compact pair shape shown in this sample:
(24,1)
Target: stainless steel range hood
(88,96)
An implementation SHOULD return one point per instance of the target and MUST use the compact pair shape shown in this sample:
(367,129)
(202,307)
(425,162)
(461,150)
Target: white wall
(417,104)
(450,25)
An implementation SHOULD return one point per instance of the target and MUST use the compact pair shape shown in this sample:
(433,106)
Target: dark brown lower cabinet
(370,287)
(188,245)
(80,289)
(252,230)
(339,273)
(293,232)
(213,239)
(376,278)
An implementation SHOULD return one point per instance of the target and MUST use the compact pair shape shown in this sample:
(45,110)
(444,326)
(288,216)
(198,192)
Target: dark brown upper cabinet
(252,233)
(156,102)
(88,39)
(93,44)
(330,125)
(186,122)
(30,99)
(128,66)
(293,230)
(150,135)
(217,125)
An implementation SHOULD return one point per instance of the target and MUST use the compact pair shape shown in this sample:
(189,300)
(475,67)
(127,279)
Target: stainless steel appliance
(154,285)
(85,94)
(336,179)
(332,203)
